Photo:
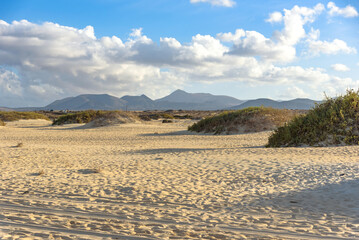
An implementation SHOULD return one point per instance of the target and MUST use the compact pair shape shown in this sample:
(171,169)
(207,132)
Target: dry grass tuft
(14,116)
(19,145)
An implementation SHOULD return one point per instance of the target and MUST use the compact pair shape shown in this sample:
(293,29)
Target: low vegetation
(145,116)
(78,117)
(334,122)
(252,119)
(98,118)
(2,123)
(14,116)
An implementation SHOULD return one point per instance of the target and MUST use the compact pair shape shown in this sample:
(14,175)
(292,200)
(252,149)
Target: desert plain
(152,180)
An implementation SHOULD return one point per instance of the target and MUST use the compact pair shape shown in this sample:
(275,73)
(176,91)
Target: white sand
(156,181)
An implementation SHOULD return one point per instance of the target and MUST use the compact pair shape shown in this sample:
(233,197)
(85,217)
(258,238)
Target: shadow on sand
(336,199)
(183,133)
(172,150)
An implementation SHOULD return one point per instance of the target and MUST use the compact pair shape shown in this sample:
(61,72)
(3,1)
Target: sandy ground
(157,181)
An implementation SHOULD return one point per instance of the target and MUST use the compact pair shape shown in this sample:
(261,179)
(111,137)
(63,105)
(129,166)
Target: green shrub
(252,119)
(335,121)
(14,116)
(167,116)
(78,117)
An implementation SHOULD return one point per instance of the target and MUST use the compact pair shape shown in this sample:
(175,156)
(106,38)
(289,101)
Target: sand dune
(157,181)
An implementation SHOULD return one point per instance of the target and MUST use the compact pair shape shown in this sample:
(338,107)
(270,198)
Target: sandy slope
(156,181)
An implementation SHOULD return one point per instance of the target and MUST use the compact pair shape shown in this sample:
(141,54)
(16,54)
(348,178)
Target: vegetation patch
(112,118)
(155,116)
(14,116)
(334,122)
(96,118)
(252,119)
(78,117)
(2,123)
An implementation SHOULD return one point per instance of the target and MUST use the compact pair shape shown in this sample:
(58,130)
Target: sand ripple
(157,181)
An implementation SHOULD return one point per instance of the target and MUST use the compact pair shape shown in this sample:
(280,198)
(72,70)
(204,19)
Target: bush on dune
(92,115)
(252,119)
(78,117)
(14,116)
(334,122)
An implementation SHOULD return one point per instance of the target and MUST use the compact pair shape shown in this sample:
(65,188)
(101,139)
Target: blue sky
(55,49)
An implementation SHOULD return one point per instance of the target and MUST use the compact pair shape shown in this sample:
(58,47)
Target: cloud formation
(223,3)
(50,61)
(281,47)
(340,67)
(336,46)
(275,17)
(293,92)
(348,11)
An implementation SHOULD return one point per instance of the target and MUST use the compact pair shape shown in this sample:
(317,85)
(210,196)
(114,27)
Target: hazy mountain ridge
(181,96)
(5,109)
(298,103)
(88,101)
(179,99)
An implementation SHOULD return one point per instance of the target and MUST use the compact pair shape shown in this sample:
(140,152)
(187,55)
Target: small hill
(298,103)
(14,116)
(253,119)
(333,122)
(112,118)
(97,118)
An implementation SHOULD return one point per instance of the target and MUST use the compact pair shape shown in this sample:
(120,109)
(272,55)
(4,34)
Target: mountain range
(298,103)
(179,99)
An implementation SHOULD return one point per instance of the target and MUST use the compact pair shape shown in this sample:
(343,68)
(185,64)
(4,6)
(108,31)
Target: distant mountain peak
(180,91)
(145,96)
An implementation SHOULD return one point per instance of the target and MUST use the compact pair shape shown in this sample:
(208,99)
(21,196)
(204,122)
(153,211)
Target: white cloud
(11,90)
(230,37)
(340,67)
(293,92)
(224,3)
(294,21)
(255,44)
(348,11)
(275,17)
(335,47)
(281,47)
(9,83)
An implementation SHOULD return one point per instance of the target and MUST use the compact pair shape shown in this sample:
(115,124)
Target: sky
(274,49)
